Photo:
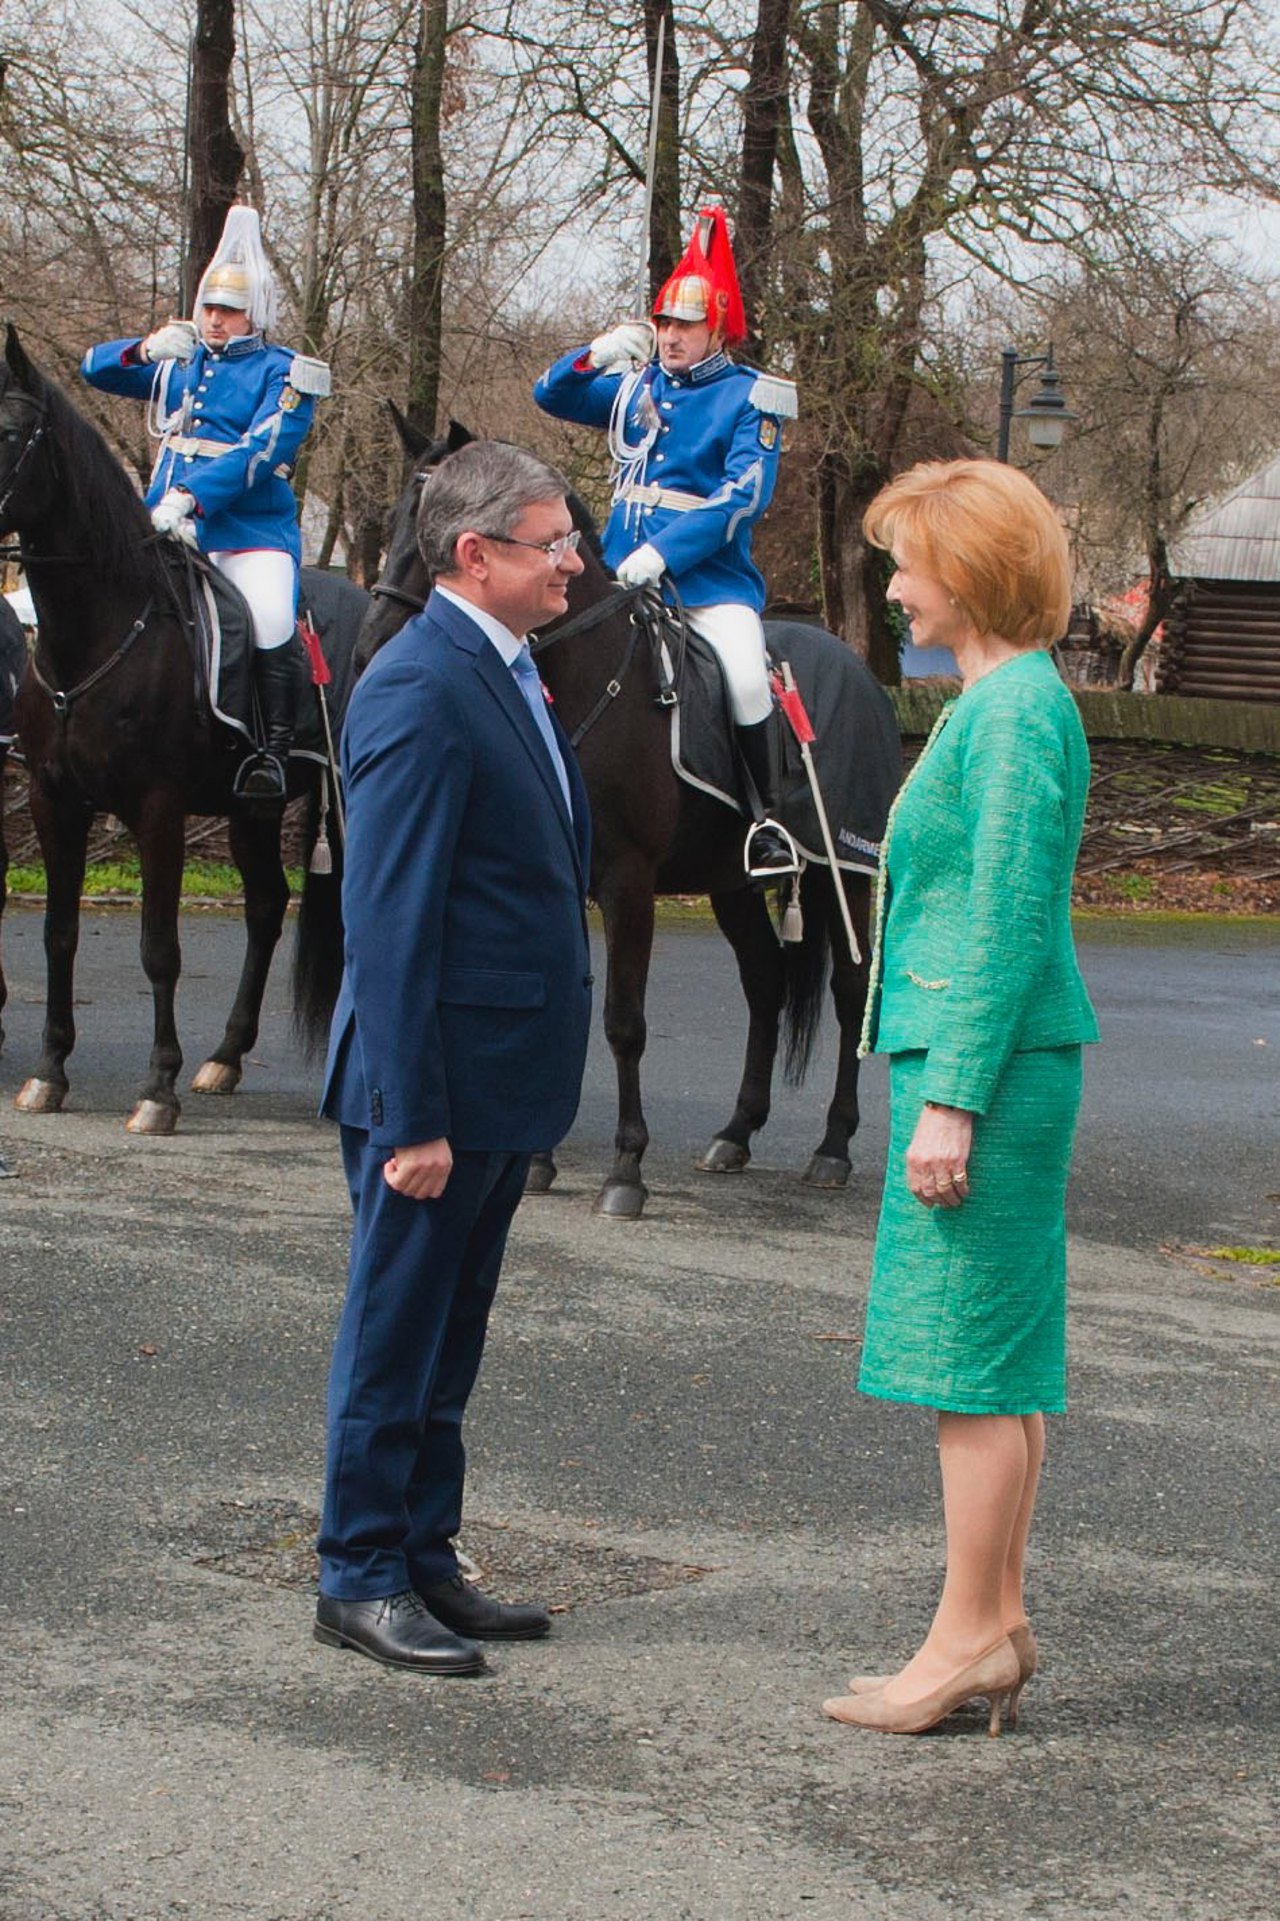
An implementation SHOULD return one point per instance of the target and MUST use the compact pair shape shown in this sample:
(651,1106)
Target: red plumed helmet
(704,286)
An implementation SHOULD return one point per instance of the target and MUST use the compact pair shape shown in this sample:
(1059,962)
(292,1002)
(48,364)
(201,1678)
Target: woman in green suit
(977,999)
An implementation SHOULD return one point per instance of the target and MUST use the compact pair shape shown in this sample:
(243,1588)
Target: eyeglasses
(555,550)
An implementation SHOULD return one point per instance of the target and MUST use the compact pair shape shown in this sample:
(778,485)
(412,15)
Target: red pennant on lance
(793,707)
(320,675)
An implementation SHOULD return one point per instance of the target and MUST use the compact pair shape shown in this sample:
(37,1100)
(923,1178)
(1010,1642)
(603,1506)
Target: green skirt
(967,1307)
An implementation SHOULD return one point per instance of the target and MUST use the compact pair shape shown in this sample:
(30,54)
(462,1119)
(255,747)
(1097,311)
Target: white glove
(176,341)
(641,568)
(630,344)
(172,515)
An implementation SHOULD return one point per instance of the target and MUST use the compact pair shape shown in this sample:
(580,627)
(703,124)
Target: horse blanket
(335,608)
(857,751)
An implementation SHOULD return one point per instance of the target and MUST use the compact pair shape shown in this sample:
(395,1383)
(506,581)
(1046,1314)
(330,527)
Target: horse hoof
(152,1117)
(827,1170)
(39,1097)
(622,1203)
(215,1077)
(541,1176)
(723,1157)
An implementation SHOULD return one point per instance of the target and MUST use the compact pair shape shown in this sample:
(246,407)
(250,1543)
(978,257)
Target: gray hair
(483,488)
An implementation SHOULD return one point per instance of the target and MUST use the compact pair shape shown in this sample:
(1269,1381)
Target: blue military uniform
(698,460)
(231,424)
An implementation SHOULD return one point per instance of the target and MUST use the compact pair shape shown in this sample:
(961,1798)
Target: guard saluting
(231,410)
(696,440)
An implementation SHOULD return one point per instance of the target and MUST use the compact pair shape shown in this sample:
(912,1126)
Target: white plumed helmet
(239,275)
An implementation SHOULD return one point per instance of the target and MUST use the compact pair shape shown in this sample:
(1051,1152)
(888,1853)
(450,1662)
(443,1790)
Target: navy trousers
(422,1281)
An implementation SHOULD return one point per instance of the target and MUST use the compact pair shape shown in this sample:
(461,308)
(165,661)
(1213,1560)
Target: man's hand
(420,1173)
(175,341)
(627,345)
(172,515)
(641,568)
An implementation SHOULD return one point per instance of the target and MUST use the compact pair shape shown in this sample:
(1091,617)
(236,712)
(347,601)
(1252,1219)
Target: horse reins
(32,442)
(64,699)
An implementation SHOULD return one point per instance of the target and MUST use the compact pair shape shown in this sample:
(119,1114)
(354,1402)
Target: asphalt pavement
(666,1444)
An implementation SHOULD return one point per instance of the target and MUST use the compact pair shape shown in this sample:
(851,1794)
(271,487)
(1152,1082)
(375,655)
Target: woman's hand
(938,1157)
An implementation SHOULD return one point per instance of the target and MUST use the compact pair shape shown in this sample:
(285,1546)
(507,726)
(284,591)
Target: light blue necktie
(530,686)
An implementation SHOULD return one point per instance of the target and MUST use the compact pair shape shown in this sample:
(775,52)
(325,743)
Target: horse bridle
(34,437)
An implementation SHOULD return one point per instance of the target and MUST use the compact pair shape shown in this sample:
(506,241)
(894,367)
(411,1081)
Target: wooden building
(1222,637)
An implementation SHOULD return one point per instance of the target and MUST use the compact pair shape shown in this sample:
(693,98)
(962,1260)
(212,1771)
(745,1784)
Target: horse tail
(805,975)
(317,946)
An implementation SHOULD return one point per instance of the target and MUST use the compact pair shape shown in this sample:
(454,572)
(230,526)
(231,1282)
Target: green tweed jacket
(974,958)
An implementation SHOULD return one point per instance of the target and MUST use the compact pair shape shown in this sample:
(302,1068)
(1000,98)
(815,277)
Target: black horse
(654,834)
(112,716)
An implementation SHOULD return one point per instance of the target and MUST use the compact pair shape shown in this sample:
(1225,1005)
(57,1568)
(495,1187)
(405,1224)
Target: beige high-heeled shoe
(1024,1646)
(994,1674)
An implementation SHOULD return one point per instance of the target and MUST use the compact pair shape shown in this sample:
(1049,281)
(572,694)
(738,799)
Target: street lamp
(1046,414)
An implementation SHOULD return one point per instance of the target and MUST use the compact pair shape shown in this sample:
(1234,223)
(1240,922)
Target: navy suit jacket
(466,997)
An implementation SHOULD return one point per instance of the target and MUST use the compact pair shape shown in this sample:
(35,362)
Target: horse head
(23,426)
(402,586)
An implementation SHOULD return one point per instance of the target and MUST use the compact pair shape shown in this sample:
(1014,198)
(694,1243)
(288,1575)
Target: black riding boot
(770,850)
(265,775)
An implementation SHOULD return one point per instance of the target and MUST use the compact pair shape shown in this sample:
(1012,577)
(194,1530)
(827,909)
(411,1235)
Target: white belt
(652,495)
(207,449)
(184,444)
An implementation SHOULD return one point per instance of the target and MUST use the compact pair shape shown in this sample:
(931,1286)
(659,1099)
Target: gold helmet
(686,299)
(227,285)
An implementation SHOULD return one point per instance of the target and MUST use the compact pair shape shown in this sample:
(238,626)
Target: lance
(802,727)
(321,854)
(651,166)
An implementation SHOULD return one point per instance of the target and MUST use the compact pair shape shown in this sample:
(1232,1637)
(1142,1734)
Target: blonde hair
(989,536)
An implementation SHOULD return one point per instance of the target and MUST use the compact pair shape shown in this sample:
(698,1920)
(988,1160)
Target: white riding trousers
(268,580)
(737,636)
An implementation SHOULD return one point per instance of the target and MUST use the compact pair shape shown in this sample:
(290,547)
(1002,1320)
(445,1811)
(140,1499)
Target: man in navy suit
(457,1045)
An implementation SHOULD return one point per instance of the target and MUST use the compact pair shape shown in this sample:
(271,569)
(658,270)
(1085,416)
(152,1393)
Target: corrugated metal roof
(1236,539)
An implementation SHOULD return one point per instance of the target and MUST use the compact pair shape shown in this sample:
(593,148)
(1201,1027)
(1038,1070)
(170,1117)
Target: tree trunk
(215,157)
(764,105)
(1159,600)
(853,602)
(426,286)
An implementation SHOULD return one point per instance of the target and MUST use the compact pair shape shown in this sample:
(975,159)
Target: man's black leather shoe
(462,1607)
(770,851)
(398,1630)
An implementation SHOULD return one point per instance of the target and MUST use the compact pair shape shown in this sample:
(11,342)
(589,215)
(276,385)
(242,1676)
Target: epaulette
(773,394)
(307,376)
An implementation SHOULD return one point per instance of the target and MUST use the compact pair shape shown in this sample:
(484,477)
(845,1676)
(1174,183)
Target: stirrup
(786,857)
(261,777)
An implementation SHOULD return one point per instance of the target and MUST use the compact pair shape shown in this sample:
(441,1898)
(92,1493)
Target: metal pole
(651,163)
(855,952)
(1008,371)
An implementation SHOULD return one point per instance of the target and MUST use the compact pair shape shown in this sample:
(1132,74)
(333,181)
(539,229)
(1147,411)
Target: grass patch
(122,880)
(1245,1256)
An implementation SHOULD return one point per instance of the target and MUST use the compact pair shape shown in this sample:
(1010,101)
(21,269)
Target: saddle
(857,752)
(221,634)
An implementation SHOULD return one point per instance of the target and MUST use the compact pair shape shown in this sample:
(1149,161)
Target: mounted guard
(696,439)
(231,410)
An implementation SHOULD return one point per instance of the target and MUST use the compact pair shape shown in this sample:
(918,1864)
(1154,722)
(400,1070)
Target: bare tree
(1170,352)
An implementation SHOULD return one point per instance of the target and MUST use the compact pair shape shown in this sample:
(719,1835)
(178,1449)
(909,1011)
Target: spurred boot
(265,775)
(770,851)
